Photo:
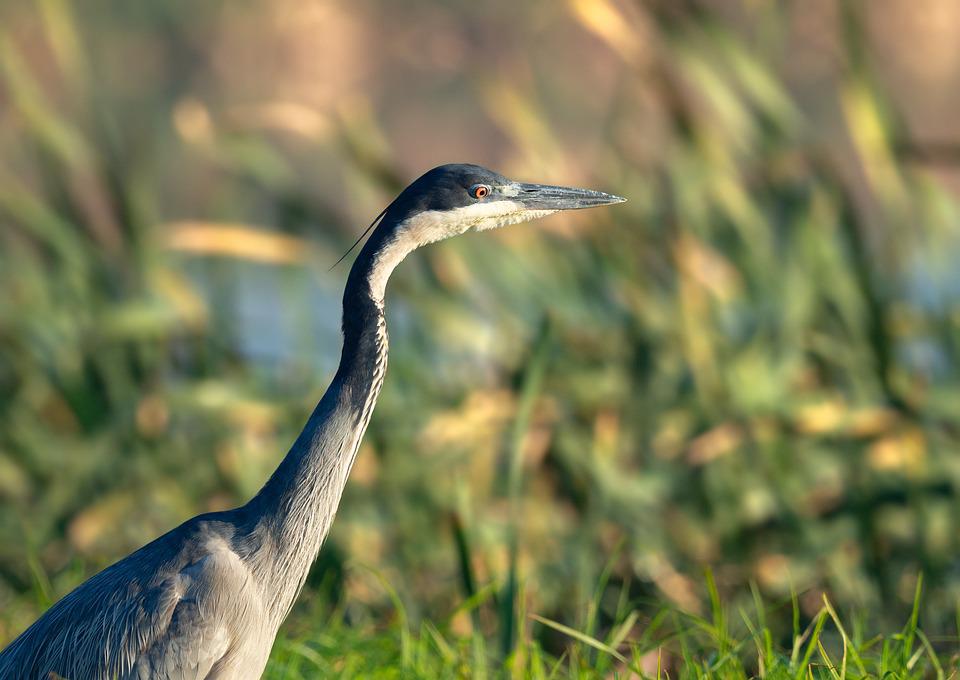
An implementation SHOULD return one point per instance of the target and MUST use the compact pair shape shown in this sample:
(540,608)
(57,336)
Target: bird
(206,600)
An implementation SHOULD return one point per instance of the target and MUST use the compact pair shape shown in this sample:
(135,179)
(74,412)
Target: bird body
(205,600)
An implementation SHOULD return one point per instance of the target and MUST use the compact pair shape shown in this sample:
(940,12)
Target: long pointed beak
(546,197)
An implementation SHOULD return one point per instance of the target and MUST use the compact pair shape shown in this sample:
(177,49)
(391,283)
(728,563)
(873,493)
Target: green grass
(726,643)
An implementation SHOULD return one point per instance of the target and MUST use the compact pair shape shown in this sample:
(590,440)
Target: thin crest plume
(366,231)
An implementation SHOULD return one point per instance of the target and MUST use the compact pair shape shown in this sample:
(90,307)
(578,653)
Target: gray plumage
(206,599)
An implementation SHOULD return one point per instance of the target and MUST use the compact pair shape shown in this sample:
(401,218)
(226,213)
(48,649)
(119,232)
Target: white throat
(435,225)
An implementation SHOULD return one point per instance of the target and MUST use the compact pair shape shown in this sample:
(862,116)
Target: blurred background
(748,370)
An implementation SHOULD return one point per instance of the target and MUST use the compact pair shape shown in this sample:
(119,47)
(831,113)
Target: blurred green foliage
(748,368)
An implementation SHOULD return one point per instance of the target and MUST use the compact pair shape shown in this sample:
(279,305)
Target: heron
(207,599)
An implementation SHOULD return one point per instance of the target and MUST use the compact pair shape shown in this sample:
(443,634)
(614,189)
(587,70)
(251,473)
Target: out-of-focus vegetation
(749,368)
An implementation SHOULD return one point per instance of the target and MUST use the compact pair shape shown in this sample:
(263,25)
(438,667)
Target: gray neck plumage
(293,512)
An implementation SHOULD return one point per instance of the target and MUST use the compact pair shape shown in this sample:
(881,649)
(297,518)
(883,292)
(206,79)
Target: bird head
(450,200)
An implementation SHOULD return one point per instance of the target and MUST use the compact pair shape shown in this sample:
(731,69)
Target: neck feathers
(293,512)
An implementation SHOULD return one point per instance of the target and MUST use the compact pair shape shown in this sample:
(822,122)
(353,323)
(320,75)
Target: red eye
(479,190)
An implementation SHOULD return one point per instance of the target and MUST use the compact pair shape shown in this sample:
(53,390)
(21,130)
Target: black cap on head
(445,187)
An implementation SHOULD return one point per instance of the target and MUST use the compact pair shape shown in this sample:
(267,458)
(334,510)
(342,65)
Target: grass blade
(581,637)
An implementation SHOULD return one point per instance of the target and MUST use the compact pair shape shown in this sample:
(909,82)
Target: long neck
(293,512)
